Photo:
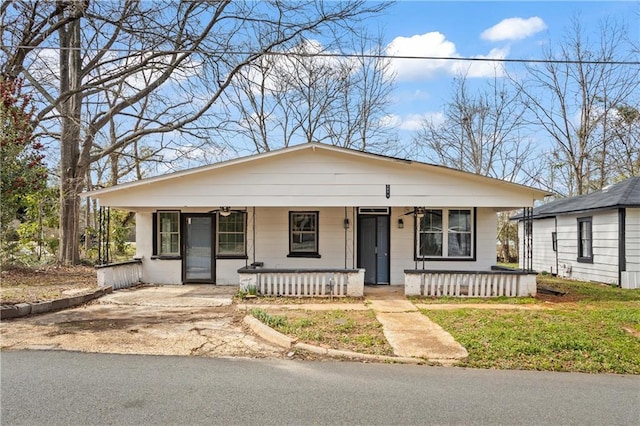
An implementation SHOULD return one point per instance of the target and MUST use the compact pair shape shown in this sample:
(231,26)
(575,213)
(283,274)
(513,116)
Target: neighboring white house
(592,237)
(314,207)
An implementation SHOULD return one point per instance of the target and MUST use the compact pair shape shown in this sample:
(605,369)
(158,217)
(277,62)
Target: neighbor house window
(232,235)
(168,233)
(303,234)
(445,234)
(554,241)
(585,240)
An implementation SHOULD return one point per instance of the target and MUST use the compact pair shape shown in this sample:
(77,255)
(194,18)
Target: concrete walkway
(410,333)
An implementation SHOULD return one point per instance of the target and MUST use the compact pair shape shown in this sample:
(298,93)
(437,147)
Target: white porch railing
(303,282)
(469,283)
(120,275)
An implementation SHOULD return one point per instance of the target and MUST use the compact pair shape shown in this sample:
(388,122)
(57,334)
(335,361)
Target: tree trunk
(71,179)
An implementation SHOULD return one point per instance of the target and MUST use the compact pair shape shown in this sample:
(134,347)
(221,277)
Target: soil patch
(201,331)
(30,285)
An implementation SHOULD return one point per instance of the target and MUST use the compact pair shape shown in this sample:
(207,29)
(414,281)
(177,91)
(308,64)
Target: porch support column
(527,244)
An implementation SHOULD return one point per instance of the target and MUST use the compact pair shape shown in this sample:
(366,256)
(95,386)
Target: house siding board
(632,236)
(605,247)
(322,179)
(155,271)
(544,258)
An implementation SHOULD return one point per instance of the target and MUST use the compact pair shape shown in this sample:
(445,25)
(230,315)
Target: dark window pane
(460,220)
(459,244)
(430,244)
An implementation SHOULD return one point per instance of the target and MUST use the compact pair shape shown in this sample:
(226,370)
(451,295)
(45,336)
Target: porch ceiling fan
(226,211)
(416,210)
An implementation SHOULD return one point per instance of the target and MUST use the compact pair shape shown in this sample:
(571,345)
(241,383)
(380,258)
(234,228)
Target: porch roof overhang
(316,175)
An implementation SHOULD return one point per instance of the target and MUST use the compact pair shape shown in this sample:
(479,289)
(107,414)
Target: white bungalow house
(592,237)
(315,219)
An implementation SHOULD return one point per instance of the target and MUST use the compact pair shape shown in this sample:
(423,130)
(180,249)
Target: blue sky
(428,28)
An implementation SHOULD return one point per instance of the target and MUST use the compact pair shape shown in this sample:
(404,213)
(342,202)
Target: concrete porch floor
(384,292)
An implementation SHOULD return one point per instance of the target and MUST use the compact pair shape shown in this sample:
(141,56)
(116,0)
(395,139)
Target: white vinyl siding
(631,277)
(604,244)
(322,178)
(544,258)
(632,236)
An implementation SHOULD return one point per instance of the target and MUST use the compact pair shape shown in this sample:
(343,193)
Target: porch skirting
(120,275)
(303,282)
(423,282)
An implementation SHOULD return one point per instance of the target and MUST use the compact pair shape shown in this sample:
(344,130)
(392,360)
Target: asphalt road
(45,387)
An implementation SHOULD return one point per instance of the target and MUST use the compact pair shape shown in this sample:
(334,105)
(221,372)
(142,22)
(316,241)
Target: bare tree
(480,131)
(625,142)
(144,69)
(357,120)
(572,96)
(302,96)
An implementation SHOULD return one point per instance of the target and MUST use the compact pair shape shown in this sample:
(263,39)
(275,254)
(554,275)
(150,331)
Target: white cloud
(514,29)
(435,44)
(478,69)
(412,122)
(429,44)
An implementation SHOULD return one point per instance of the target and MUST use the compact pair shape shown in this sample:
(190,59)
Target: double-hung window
(303,234)
(232,235)
(445,234)
(168,232)
(585,240)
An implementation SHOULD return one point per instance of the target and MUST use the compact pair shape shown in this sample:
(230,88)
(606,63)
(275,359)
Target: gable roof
(314,174)
(623,194)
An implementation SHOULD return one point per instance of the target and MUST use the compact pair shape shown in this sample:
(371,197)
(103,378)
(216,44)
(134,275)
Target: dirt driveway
(166,320)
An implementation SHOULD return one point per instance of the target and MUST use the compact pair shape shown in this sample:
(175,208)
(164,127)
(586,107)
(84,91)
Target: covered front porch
(317,220)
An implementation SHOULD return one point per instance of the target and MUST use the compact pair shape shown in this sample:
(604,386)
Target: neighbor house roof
(623,194)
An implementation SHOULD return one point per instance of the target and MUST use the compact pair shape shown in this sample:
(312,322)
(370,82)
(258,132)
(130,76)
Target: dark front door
(373,248)
(198,260)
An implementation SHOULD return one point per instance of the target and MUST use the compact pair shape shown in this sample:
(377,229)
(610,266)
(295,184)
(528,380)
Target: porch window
(585,240)
(303,234)
(232,235)
(168,233)
(445,234)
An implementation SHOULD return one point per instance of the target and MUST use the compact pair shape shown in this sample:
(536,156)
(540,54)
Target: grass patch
(474,300)
(357,331)
(592,340)
(590,292)
(513,265)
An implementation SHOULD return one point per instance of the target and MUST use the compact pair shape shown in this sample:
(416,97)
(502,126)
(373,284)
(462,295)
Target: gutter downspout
(622,260)
(346,231)
(555,219)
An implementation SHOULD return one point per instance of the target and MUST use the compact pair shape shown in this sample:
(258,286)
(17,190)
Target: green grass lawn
(597,332)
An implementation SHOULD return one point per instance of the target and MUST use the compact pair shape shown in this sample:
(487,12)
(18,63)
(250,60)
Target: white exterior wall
(319,177)
(605,247)
(631,277)
(544,258)
(154,271)
(272,245)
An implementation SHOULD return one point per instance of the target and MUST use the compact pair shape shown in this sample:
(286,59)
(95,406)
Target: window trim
(446,258)
(581,258)
(307,254)
(157,240)
(231,256)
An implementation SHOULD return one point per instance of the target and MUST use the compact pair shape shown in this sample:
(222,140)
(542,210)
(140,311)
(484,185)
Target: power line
(348,55)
